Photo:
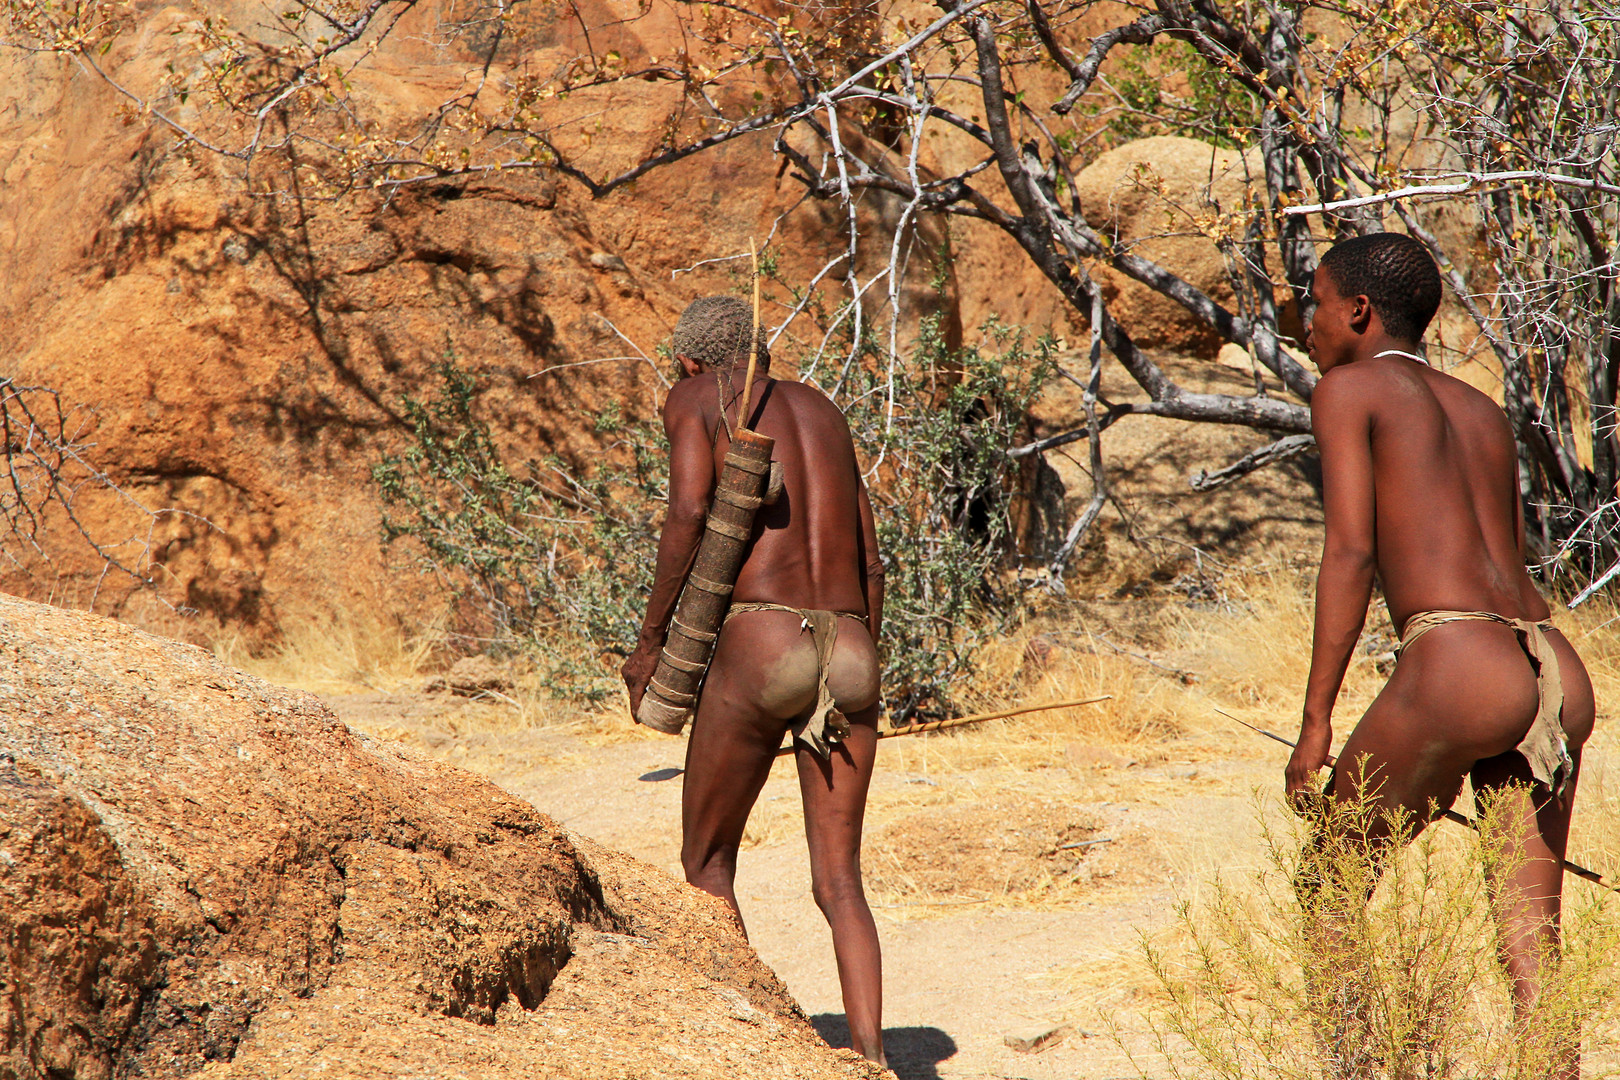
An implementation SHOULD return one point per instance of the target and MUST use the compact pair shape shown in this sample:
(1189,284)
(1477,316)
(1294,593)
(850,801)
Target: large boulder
(1161,198)
(199,870)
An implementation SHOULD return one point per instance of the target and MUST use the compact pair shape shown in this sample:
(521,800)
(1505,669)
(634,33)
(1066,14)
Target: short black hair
(714,331)
(1395,273)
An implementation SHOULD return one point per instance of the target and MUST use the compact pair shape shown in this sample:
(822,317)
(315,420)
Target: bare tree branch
(1472,184)
(1099,476)
(1290,446)
(1084,73)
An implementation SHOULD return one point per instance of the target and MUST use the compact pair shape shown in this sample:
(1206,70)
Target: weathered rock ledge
(202,871)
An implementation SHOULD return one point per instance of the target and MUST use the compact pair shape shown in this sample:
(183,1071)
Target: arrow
(1450,815)
(918,729)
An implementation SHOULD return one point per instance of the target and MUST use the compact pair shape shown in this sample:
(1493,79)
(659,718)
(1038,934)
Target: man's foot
(877,1057)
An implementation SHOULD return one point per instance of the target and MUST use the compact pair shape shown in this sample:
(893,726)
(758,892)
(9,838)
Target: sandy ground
(963,974)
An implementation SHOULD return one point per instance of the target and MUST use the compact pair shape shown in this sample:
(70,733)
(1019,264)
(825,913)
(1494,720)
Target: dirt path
(962,974)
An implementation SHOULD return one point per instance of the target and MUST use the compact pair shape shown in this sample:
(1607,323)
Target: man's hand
(638,672)
(1310,754)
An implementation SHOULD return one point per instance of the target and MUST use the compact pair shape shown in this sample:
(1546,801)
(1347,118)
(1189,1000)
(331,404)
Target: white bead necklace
(1402,352)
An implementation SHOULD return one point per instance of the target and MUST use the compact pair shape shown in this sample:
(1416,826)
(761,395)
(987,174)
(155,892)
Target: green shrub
(557,559)
(941,489)
(1166,89)
(536,556)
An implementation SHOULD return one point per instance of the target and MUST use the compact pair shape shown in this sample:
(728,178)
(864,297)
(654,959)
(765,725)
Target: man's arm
(691,487)
(872,571)
(1342,423)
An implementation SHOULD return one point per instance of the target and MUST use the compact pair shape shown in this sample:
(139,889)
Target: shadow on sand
(913,1052)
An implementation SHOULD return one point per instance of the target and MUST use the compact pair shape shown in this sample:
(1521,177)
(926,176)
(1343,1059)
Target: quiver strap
(672,694)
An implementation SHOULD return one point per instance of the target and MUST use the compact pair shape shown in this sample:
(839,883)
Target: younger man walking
(1420,486)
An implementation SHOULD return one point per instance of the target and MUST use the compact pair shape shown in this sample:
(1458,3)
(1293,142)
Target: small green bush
(542,557)
(557,559)
(941,488)
(1166,89)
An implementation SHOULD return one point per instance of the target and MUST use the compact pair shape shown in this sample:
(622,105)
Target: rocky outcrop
(243,360)
(1161,198)
(201,870)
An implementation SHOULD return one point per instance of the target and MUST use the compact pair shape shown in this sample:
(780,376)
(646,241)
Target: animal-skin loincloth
(1545,746)
(825,726)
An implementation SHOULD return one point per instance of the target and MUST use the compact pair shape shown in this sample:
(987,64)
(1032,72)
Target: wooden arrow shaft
(978,718)
(753,347)
(1450,815)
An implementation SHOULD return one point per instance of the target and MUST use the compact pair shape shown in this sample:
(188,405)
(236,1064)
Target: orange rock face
(242,359)
(245,358)
(198,868)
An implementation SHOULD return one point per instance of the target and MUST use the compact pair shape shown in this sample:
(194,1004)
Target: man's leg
(1465,714)
(735,737)
(1390,777)
(834,807)
(1529,895)
(1394,768)
(1534,839)
(726,766)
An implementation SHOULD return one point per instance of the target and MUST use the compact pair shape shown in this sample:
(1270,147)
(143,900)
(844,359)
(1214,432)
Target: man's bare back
(1420,484)
(1447,514)
(797,652)
(811,546)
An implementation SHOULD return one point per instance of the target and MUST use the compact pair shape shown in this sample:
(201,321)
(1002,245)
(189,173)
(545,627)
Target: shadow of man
(913,1052)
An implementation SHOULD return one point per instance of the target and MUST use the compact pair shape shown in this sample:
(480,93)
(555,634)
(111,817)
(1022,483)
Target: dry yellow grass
(353,654)
(1225,974)
(1245,656)
(347,653)
(1251,653)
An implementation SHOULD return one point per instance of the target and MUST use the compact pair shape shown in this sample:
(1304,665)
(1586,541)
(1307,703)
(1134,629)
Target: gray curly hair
(714,331)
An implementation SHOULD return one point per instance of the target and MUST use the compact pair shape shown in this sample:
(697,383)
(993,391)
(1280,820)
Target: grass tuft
(1260,980)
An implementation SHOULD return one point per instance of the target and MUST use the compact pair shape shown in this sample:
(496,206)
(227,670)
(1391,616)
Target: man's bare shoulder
(1371,386)
(689,394)
(1466,394)
(689,406)
(806,400)
(800,391)
(1347,391)
(1401,392)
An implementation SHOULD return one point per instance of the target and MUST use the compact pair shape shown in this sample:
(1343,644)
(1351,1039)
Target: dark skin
(816,547)
(1420,487)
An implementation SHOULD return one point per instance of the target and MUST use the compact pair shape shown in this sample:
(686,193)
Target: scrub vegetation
(1271,981)
(552,558)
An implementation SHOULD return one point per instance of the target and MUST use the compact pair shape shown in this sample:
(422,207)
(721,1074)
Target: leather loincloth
(825,726)
(1545,746)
